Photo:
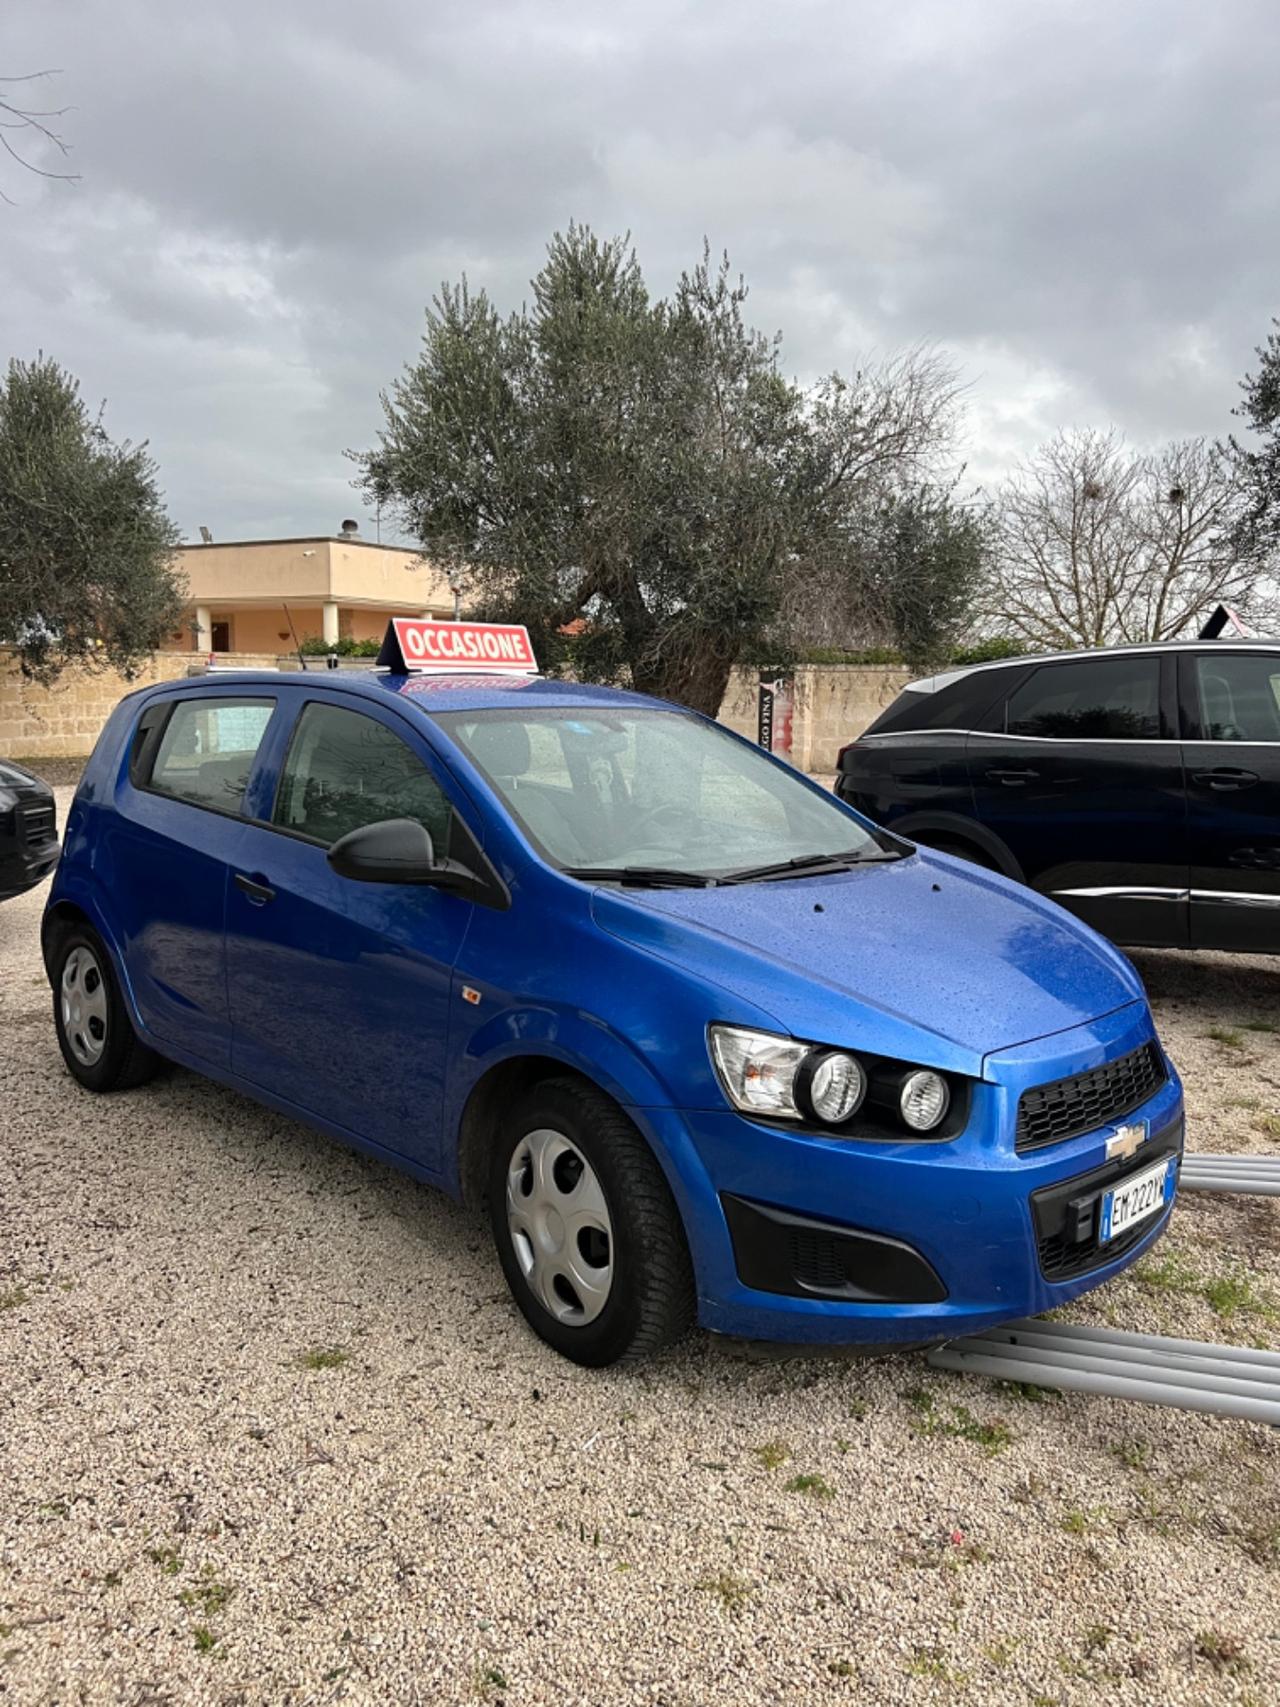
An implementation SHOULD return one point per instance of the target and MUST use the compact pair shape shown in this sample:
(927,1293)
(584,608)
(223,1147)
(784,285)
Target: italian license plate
(1144,1195)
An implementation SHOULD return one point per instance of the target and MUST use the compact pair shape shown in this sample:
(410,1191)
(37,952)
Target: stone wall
(62,722)
(832,705)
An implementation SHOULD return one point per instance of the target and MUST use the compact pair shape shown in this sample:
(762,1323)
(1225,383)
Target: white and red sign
(499,648)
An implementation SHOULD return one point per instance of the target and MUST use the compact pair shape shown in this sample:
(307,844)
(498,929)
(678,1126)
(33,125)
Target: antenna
(205,535)
(296,644)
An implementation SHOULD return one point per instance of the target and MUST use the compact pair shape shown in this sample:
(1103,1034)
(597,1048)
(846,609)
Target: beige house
(255,595)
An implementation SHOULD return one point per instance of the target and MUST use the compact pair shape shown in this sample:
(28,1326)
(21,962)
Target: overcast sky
(1080,201)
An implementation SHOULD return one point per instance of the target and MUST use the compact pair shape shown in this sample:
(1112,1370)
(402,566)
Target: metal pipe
(1123,1337)
(1111,1385)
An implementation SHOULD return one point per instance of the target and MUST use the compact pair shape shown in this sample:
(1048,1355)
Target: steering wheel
(668,809)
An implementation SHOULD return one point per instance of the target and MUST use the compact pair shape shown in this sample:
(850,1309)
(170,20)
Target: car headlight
(758,1069)
(923,1100)
(765,1074)
(832,1084)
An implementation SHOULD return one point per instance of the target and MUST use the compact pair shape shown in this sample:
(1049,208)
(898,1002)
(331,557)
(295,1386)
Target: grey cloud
(1079,199)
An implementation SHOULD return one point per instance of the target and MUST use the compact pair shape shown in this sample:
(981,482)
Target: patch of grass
(14,1298)
(209,1595)
(840,1668)
(1260,1025)
(1242,1102)
(1078,1522)
(816,1486)
(1231,1293)
(732,1592)
(928,1662)
(772,1453)
(111,1579)
(1133,1454)
(1226,1035)
(1170,1273)
(1000,1653)
(1224,1653)
(204,1639)
(1268,1123)
(324,1357)
(169,1561)
(1028,1392)
(958,1422)
(1096,1638)
(487,1679)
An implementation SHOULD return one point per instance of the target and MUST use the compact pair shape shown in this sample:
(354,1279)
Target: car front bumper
(793,1236)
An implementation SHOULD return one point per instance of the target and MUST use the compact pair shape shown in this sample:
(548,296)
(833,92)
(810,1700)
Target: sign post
(776,704)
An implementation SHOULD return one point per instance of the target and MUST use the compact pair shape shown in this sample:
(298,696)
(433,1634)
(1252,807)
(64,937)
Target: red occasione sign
(501,647)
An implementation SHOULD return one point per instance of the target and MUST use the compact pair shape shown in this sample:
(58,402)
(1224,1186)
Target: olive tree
(637,470)
(86,548)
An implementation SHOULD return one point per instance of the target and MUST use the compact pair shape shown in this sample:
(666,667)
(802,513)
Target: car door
(165,854)
(1079,773)
(339,990)
(1231,721)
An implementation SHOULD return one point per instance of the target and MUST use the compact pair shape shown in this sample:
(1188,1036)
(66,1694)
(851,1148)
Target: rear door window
(344,770)
(1239,696)
(1089,699)
(207,750)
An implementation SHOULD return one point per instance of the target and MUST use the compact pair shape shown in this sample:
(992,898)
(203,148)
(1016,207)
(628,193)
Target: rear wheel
(587,1231)
(95,1033)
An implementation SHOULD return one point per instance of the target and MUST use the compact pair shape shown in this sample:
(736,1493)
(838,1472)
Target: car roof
(944,678)
(431,693)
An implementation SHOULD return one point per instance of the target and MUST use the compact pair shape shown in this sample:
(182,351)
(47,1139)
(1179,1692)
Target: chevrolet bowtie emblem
(1127,1140)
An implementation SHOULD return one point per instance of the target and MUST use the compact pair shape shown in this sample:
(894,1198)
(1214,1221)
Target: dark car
(28,830)
(1138,786)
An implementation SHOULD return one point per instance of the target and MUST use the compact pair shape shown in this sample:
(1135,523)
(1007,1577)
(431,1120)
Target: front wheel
(587,1231)
(95,1033)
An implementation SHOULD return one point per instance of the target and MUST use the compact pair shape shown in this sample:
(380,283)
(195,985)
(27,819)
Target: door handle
(1225,777)
(1013,779)
(259,893)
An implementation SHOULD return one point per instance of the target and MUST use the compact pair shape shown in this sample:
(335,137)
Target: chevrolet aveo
(706,1042)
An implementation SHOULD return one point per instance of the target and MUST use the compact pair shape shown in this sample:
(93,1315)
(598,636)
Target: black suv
(28,830)
(1139,786)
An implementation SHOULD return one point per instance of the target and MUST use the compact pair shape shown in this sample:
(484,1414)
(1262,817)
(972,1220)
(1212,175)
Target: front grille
(1066,1215)
(1062,1261)
(37,824)
(1048,1114)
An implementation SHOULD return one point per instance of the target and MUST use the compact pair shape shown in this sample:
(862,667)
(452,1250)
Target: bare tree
(21,125)
(1095,544)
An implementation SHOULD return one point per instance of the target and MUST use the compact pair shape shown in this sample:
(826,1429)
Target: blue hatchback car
(705,1041)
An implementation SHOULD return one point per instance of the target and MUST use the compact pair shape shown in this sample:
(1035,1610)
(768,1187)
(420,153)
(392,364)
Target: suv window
(207,750)
(344,770)
(1239,696)
(1094,699)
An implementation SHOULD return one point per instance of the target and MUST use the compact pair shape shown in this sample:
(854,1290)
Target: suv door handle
(259,893)
(1225,777)
(1013,779)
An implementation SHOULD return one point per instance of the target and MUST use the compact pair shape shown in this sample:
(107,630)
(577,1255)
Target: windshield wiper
(807,865)
(647,876)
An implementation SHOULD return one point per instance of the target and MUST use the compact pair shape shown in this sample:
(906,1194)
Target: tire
(961,850)
(99,1045)
(587,1231)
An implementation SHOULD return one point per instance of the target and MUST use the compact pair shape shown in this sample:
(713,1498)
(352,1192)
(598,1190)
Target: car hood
(926,958)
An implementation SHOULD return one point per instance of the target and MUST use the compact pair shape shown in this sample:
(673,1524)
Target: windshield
(656,792)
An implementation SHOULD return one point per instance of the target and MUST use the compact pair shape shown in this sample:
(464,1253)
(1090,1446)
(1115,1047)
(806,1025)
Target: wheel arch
(919,826)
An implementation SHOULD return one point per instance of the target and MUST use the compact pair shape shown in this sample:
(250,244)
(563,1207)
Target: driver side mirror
(396,850)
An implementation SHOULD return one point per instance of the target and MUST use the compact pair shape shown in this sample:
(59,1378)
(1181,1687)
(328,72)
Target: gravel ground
(270,1431)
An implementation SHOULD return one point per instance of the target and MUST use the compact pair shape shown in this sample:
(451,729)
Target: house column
(203,640)
(330,623)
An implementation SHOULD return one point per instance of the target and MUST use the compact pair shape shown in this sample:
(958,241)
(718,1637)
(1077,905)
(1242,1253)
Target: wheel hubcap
(83,996)
(560,1227)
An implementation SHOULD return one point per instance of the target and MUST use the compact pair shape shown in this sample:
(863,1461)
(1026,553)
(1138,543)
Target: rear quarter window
(207,750)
